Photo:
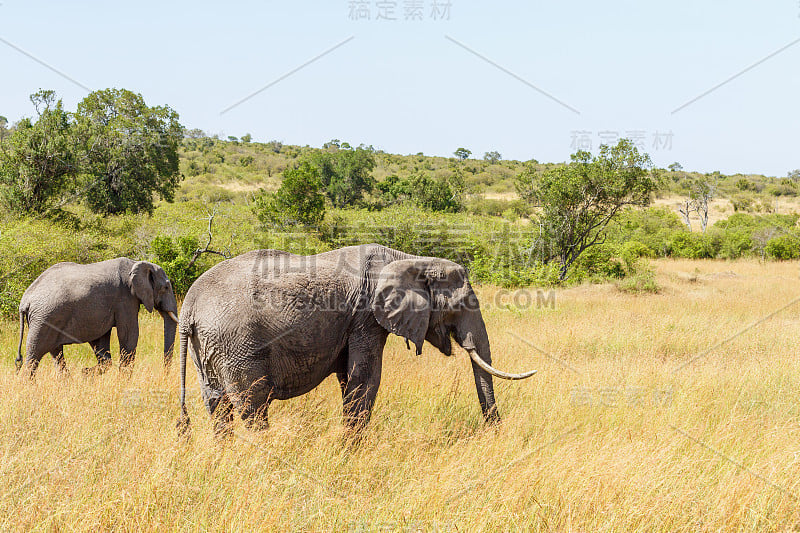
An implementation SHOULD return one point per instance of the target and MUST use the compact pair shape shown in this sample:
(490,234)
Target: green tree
(130,151)
(462,153)
(492,157)
(246,138)
(433,194)
(195,133)
(37,161)
(3,128)
(345,172)
(527,180)
(579,200)
(298,201)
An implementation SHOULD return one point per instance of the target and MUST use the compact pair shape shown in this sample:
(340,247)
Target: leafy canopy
(345,172)
(130,151)
(578,200)
(425,192)
(462,153)
(38,161)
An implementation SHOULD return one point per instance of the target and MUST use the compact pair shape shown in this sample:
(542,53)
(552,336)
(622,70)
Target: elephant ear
(402,302)
(141,282)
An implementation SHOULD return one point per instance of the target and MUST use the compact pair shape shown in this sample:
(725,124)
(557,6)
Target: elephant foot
(223,419)
(183,424)
(492,418)
(97,370)
(223,429)
(256,423)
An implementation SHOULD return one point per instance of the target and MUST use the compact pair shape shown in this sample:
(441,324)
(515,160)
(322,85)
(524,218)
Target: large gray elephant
(72,304)
(270,325)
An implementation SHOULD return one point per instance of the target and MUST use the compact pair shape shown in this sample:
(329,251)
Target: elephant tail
(183,420)
(18,360)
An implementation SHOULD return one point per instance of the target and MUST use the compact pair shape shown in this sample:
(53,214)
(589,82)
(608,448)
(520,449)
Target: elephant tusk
(493,371)
(173,317)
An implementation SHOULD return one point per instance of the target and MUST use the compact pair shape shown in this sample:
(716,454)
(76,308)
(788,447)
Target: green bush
(598,263)
(653,228)
(423,191)
(298,201)
(633,250)
(175,256)
(783,189)
(642,281)
(691,246)
(733,243)
(742,203)
(505,272)
(783,248)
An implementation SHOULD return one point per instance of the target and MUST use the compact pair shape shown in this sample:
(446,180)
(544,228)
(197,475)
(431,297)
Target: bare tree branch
(226,253)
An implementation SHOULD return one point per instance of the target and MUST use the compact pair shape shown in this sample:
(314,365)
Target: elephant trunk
(170,327)
(472,336)
(168,307)
(474,339)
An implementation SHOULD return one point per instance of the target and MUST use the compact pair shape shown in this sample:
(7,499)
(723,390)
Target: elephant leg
(255,405)
(361,380)
(32,362)
(58,359)
(222,414)
(102,351)
(342,377)
(128,339)
(341,371)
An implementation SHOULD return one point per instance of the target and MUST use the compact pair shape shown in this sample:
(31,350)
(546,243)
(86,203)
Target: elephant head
(150,285)
(429,299)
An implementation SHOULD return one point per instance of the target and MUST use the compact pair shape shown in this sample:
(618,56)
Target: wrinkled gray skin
(271,325)
(72,304)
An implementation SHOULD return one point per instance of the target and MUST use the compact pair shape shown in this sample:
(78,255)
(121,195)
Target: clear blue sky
(404,87)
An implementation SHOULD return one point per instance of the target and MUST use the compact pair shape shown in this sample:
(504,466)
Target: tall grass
(611,435)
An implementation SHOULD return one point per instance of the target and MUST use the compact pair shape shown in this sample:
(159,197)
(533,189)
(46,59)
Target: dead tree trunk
(206,249)
(685,208)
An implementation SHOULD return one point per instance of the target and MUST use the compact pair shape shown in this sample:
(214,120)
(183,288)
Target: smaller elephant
(72,304)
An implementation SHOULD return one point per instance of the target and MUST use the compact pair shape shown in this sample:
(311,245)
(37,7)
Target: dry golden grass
(613,434)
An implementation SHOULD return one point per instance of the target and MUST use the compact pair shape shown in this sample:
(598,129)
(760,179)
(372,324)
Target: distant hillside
(225,170)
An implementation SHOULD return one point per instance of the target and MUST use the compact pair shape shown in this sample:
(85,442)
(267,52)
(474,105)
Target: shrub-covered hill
(238,166)
(232,168)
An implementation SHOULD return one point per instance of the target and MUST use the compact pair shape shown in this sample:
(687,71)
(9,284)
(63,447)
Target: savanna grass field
(674,411)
